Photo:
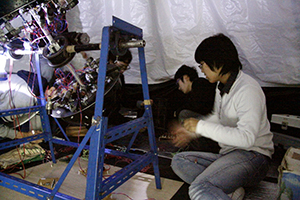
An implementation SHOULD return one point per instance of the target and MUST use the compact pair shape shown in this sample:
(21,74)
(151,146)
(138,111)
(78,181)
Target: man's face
(211,76)
(184,85)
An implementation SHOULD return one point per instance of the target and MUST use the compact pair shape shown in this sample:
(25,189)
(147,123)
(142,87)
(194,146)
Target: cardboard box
(48,182)
(289,175)
(286,124)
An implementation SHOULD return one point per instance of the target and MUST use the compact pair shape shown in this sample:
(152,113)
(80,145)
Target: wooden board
(141,186)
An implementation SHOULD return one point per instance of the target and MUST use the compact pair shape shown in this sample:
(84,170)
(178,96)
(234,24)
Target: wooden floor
(141,186)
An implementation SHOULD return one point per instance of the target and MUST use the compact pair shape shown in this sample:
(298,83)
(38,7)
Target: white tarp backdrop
(266,33)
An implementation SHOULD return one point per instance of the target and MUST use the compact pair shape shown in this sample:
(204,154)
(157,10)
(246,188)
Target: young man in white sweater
(238,123)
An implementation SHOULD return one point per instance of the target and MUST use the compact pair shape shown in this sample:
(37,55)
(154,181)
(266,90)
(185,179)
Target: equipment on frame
(46,32)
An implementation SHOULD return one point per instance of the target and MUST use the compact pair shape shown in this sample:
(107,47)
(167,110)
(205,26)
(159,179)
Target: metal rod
(53,44)
(97,46)
(83,47)
(132,44)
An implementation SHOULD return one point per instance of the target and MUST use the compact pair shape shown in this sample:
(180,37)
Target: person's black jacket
(201,98)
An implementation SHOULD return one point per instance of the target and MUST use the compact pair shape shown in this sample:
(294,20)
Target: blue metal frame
(98,135)
(96,187)
(14,183)
(41,103)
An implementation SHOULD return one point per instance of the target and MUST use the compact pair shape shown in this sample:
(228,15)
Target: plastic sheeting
(266,33)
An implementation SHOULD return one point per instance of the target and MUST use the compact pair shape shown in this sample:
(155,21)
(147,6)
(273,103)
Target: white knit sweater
(239,119)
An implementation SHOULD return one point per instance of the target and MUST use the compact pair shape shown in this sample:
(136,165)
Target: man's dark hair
(186,70)
(126,58)
(218,51)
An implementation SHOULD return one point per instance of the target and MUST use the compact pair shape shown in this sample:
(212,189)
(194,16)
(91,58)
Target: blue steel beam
(148,113)
(97,150)
(96,188)
(72,161)
(124,174)
(43,113)
(125,26)
(122,130)
(96,161)
(28,188)
(17,142)
(17,111)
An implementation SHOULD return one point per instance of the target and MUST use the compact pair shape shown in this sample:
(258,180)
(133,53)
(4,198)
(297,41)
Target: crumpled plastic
(266,33)
(25,153)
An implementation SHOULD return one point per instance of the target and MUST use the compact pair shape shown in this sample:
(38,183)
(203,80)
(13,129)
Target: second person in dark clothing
(201,93)
(198,104)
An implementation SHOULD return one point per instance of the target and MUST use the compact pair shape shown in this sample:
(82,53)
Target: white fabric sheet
(266,33)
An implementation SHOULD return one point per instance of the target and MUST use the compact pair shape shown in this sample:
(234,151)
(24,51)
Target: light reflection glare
(3,74)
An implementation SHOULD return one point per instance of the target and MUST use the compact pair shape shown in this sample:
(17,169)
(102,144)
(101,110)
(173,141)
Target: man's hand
(190,124)
(182,137)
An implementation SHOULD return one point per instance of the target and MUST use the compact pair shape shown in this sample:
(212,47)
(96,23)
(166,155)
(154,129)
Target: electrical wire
(16,121)
(120,193)
(15,118)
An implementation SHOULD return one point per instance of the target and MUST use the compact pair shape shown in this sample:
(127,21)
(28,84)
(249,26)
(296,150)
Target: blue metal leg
(96,162)
(96,187)
(43,113)
(72,161)
(97,145)
(61,129)
(148,113)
